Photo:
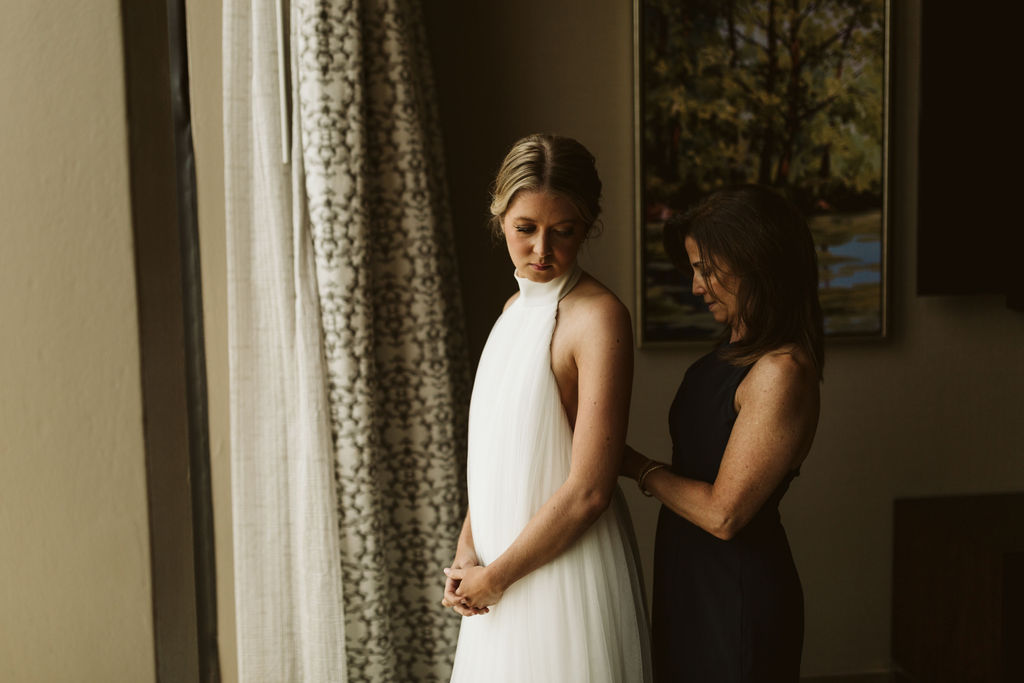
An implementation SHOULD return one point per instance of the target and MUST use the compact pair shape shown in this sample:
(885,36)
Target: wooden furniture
(958,588)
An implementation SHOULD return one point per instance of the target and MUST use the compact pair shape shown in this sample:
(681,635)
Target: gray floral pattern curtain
(389,300)
(349,380)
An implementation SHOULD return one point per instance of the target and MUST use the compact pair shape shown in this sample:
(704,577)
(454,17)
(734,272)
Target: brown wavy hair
(762,239)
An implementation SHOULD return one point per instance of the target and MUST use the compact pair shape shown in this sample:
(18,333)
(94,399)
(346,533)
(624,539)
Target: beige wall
(934,409)
(75,599)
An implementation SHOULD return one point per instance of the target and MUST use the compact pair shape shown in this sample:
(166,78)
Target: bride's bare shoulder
(594,312)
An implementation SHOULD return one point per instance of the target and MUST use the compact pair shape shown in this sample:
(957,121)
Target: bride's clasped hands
(471,589)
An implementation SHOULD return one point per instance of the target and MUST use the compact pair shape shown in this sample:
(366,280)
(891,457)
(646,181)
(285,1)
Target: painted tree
(781,92)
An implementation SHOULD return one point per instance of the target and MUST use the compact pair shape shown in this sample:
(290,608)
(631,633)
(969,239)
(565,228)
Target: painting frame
(855,273)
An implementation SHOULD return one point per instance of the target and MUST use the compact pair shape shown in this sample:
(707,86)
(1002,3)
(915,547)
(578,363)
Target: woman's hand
(477,587)
(632,463)
(451,585)
(465,557)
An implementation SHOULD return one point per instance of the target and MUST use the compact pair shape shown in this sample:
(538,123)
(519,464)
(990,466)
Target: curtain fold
(288,588)
(392,324)
(349,379)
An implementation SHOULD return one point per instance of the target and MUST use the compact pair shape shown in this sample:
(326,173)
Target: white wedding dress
(581,617)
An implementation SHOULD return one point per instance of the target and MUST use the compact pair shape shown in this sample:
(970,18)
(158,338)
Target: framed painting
(791,95)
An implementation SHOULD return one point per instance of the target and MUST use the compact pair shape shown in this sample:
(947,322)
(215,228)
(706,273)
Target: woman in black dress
(727,603)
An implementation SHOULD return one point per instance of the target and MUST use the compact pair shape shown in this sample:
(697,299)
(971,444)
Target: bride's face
(543,232)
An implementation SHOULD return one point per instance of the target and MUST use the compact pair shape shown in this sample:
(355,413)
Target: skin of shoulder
(592,308)
(785,373)
(595,326)
(781,393)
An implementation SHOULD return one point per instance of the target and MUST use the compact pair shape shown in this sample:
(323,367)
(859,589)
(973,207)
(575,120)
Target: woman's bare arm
(777,418)
(604,361)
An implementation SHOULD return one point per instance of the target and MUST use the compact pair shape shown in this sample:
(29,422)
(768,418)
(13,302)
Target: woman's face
(543,232)
(717,289)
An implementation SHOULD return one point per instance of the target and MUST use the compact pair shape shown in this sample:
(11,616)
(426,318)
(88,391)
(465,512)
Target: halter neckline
(540,293)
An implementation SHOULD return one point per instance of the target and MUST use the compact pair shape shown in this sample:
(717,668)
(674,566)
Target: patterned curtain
(392,325)
(349,376)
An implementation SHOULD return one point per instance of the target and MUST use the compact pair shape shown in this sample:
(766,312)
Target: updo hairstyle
(548,163)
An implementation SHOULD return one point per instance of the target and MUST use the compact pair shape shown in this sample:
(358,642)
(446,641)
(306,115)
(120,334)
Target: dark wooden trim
(195,351)
(169,292)
(858,678)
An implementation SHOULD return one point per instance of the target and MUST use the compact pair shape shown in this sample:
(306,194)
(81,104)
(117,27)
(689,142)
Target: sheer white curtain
(348,372)
(288,588)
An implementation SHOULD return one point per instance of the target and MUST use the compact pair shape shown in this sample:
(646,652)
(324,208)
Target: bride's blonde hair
(550,163)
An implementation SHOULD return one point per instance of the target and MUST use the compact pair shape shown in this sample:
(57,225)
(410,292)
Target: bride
(545,573)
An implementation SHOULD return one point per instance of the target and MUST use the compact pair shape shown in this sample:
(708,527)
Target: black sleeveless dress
(723,611)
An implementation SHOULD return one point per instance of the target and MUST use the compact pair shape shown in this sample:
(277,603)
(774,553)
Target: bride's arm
(603,352)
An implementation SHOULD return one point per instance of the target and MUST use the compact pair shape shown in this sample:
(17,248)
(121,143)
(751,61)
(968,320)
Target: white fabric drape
(288,589)
(348,370)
